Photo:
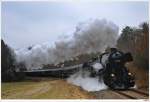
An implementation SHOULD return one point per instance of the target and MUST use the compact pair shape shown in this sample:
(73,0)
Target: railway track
(134,94)
(122,94)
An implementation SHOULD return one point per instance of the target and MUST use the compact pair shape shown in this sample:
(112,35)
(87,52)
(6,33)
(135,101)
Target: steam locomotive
(111,67)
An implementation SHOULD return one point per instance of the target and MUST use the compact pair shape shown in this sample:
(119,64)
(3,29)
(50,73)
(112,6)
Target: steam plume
(90,37)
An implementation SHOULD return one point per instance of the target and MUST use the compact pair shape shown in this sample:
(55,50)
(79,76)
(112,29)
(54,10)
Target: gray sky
(29,23)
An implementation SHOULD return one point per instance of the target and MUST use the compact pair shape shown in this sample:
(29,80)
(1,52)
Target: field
(43,89)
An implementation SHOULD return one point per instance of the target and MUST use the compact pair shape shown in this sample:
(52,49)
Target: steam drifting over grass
(88,83)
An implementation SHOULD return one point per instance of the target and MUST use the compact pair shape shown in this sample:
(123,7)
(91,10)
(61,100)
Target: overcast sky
(30,23)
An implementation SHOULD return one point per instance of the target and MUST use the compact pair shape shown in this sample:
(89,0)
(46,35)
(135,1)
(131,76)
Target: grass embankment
(45,89)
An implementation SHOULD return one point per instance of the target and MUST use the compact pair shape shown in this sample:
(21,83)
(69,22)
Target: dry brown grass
(45,89)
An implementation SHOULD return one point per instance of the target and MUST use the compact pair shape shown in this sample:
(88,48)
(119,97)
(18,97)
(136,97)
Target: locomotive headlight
(129,74)
(112,75)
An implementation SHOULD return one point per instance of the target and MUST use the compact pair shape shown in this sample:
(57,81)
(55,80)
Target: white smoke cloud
(91,36)
(86,82)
